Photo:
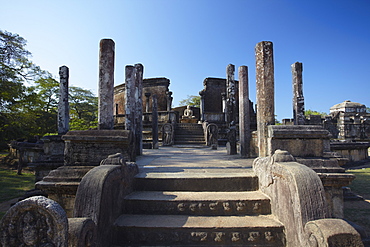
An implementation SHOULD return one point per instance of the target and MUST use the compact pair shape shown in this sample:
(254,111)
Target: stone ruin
(295,170)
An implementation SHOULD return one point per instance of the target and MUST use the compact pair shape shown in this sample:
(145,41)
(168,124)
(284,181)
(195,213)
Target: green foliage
(83,109)
(311,112)
(368,109)
(191,100)
(26,111)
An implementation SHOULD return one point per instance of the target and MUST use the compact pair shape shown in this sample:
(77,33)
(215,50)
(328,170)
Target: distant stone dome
(348,106)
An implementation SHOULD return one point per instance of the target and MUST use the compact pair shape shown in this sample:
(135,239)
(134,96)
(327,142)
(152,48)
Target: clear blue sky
(189,40)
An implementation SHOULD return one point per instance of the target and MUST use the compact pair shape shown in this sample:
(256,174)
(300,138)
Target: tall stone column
(155,121)
(265,93)
(139,70)
(130,97)
(63,105)
(224,108)
(201,93)
(244,112)
(147,97)
(298,99)
(230,94)
(169,100)
(106,84)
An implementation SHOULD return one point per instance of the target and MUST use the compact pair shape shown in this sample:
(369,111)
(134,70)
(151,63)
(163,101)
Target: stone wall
(158,86)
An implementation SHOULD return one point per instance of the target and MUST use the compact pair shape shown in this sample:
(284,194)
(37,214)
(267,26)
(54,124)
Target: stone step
(190,142)
(207,180)
(190,138)
(197,203)
(182,230)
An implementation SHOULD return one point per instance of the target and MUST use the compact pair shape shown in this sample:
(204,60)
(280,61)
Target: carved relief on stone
(269,236)
(253,236)
(226,206)
(212,135)
(219,236)
(256,206)
(240,206)
(36,221)
(193,207)
(199,236)
(235,236)
(213,206)
(181,207)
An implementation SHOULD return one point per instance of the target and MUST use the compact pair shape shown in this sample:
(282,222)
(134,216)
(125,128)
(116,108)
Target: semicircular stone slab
(35,221)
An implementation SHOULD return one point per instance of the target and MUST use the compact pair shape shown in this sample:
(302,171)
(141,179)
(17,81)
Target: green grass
(361,184)
(13,185)
(359,211)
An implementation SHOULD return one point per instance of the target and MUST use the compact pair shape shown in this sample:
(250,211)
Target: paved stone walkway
(191,159)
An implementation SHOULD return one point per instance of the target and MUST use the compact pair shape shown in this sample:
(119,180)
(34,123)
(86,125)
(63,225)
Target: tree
(311,112)
(191,100)
(83,109)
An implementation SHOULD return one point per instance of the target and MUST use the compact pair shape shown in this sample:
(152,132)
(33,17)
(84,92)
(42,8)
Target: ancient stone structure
(106,84)
(158,86)
(155,122)
(265,93)
(63,105)
(139,108)
(298,99)
(351,120)
(244,112)
(129,97)
(230,94)
(212,135)
(36,221)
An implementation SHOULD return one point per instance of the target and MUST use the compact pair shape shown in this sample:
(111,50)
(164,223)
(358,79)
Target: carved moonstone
(35,221)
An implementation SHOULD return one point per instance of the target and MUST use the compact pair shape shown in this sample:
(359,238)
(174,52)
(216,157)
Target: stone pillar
(169,100)
(265,93)
(230,94)
(224,108)
(244,112)
(147,96)
(138,132)
(201,93)
(63,105)
(106,84)
(130,97)
(298,99)
(155,121)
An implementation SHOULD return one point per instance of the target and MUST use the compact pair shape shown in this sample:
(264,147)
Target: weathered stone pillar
(147,97)
(169,100)
(63,105)
(155,121)
(298,99)
(106,84)
(265,93)
(138,132)
(230,94)
(224,108)
(201,93)
(244,112)
(130,97)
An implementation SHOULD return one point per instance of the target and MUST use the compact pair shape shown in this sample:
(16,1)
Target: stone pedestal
(84,150)
(309,144)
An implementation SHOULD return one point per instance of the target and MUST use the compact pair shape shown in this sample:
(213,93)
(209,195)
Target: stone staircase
(189,134)
(205,207)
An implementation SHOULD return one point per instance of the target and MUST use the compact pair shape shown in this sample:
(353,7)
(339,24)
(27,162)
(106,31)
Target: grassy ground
(359,211)
(13,185)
